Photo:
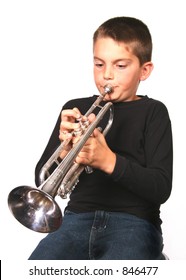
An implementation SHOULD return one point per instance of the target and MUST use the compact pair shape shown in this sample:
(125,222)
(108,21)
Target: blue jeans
(101,235)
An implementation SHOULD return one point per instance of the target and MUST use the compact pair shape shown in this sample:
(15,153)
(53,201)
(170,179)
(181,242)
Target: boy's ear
(146,70)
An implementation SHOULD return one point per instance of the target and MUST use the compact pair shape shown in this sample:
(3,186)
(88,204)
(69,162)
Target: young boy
(114,212)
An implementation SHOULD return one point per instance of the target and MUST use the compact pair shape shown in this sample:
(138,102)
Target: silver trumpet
(36,208)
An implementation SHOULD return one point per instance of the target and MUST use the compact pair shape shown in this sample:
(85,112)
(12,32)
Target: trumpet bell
(35,209)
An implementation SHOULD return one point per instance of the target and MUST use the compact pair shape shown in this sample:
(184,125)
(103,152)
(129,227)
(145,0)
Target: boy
(114,212)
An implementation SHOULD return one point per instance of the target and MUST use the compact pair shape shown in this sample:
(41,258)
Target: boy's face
(116,65)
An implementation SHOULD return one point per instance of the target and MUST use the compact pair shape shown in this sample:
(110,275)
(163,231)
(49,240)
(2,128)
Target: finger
(97,132)
(65,135)
(71,114)
(77,112)
(91,117)
(68,126)
(83,158)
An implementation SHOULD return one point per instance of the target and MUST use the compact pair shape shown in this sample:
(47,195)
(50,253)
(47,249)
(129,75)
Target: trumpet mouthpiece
(108,89)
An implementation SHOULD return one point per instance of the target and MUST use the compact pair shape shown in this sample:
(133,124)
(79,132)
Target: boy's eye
(121,66)
(98,64)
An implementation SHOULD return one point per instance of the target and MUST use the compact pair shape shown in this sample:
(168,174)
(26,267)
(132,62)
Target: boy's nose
(108,73)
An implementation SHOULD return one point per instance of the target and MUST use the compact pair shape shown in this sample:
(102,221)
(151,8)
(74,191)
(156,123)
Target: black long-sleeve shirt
(141,138)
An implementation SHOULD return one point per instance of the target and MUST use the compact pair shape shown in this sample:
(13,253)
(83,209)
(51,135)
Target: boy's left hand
(97,154)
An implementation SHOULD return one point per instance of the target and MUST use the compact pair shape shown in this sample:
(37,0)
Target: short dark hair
(130,31)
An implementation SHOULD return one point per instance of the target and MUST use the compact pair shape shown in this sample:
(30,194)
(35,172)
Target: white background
(45,60)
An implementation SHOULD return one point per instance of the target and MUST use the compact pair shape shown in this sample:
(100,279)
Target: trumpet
(36,208)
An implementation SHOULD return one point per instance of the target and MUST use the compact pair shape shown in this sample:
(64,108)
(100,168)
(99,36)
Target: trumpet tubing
(36,208)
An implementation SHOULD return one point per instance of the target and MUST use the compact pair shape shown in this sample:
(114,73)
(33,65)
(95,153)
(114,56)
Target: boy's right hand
(68,123)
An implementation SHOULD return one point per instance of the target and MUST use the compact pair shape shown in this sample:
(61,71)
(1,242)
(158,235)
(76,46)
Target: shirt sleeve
(152,182)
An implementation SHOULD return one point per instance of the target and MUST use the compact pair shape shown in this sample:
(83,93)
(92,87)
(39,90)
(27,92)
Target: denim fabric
(101,235)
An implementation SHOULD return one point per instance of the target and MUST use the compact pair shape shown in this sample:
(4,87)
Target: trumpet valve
(82,128)
(85,124)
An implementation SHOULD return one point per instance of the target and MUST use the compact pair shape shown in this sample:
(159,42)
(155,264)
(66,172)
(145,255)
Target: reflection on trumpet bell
(35,209)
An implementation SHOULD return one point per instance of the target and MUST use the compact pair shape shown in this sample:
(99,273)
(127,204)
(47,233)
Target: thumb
(97,132)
